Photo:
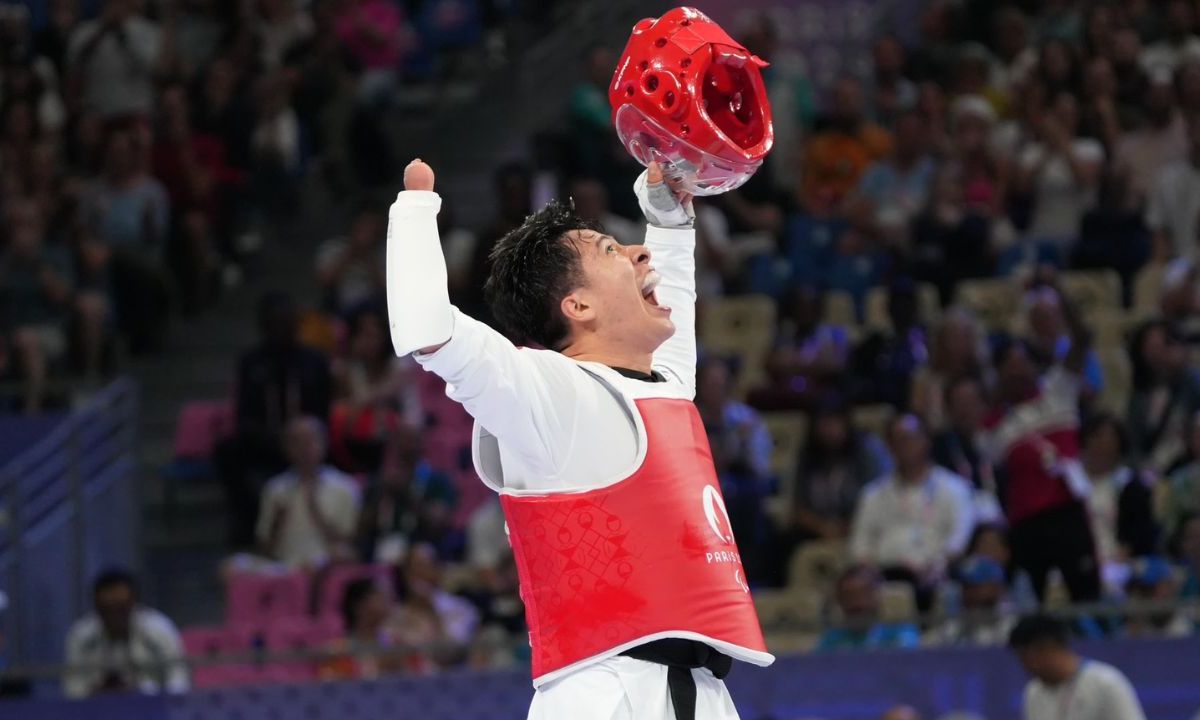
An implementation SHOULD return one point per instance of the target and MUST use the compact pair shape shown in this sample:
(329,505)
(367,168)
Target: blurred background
(207,444)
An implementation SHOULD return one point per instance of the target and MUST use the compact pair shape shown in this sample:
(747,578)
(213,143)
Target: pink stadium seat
(334,579)
(202,424)
(258,598)
(208,642)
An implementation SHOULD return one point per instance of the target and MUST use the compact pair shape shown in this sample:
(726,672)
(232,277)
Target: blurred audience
(859,627)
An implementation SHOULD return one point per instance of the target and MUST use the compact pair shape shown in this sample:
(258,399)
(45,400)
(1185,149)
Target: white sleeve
(170,644)
(964,516)
(1120,701)
(418,299)
(527,398)
(673,255)
(76,682)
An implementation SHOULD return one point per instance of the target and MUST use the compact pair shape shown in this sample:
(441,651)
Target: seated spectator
(985,616)
(1050,341)
(837,463)
(1160,140)
(845,144)
(1186,547)
(958,448)
(1061,678)
(1152,580)
(434,622)
(278,25)
(1113,235)
(951,239)
(371,31)
(1166,395)
(809,357)
(308,513)
(982,171)
(1034,434)
(1173,206)
(1183,483)
(113,60)
(1119,499)
(1180,43)
(276,382)
(350,268)
(36,294)
(1060,172)
(123,646)
(741,450)
(911,522)
(365,652)
(591,203)
(375,390)
(884,363)
(957,351)
(276,152)
(129,210)
(407,502)
(897,188)
(857,594)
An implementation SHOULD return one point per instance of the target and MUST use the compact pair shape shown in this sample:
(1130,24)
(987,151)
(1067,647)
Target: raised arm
(526,398)
(671,238)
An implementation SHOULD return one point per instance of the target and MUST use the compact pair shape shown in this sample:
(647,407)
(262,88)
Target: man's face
(910,446)
(982,595)
(1039,661)
(305,446)
(612,299)
(858,598)
(114,605)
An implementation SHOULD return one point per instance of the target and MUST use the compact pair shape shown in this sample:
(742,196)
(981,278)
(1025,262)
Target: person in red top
(1033,436)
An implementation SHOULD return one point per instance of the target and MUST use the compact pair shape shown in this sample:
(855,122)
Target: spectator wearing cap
(1183,483)
(123,646)
(985,616)
(1033,433)
(1173,206)
(1166,394)
(958,447)
(912,521)
(859,627)
(1152,580)
(1064,685)
(1119,498)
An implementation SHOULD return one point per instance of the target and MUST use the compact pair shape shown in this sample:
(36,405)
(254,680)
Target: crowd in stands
(948,331)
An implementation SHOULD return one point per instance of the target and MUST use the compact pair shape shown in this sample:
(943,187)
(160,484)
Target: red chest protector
(652,556)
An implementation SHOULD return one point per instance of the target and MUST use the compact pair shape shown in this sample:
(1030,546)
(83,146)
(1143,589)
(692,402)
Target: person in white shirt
(308,513)
(1173,209)
(911,521)
(1065,686)
(603,411)
(123,646)
(116,57)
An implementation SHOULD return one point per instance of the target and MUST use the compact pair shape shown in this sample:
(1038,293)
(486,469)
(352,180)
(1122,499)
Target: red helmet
(688,95)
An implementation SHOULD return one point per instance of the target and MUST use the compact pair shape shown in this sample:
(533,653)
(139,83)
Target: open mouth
(649,290)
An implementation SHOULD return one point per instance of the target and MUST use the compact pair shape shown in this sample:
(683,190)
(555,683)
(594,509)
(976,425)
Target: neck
(637,361)
(913,475)
(1068,666)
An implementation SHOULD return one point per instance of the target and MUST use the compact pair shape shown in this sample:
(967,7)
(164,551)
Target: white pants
(622,688)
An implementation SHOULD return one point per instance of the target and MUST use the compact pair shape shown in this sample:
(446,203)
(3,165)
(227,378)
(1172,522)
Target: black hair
(1038,629)
(814,455)
(1143,375)
(353,596)
(114,577)
(533,268)
(858,570)
(1097,422)
(366,311)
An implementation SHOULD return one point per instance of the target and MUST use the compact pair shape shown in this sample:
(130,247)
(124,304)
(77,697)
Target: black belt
(681,657)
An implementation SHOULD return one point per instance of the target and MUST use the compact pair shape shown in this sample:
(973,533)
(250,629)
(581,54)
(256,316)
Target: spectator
(36,296)
(1183,483)
(809,357)
(1119,499)
(1132,79)
(365,651)
(1065,686)
(308,512)
(1174,201)
(275,148)
(1099,117)
(857,593)
(350,268)
(958,447)
(741,449)
(276,382)
(375,392)
(1180,43)
(1050,341)
(952,238)
(1161,140)
(1113,235)
(515,198)
(1166,394)
(1034,434)
(913,521)
(458,245)
(114,59)
(278,25)
(885,362)
(1186,548)
(892,93)
(1179,303)
(129,210)
(439,624)
(591,203)
(985,617)
(957,352)
(123,646)
(1060,172)
(1151,580)
(837,462)
(897,188)
(842,149)
(371,32)
(407,502)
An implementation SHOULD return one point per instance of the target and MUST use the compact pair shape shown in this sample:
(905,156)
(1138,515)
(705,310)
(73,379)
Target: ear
(577,307)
